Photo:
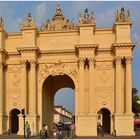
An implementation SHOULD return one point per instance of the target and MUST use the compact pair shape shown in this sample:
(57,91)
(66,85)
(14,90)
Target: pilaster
(91,86)
(24,82)
(128,86)
(118,101)
(81,85)
(33,92)
(1,97)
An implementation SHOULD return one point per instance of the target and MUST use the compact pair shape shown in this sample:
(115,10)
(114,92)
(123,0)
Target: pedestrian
(72,128)
(44,132)
(27,130)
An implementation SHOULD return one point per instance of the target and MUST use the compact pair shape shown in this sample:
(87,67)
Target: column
(118,100)
(81,85)
(32,96)
(24,82)
(91,85)
(128,86)
(1,97)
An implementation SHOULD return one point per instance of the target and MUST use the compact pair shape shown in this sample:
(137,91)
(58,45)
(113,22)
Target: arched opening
(50,87)
(103,120)
(14,120)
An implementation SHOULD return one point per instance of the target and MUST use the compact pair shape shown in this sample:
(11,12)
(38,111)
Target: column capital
(91,60)
(33,63)
(128,60)
(118,60)
(81,61)
(23,63)
(1,64)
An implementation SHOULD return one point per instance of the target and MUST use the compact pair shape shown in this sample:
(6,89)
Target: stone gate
(95,62)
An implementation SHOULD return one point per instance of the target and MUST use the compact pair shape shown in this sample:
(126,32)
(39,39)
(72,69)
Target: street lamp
(24,116)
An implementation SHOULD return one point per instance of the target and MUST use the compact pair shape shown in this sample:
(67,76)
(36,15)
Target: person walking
(27,130)
(44,132)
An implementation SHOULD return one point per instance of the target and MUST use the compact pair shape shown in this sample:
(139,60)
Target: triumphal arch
(95,62)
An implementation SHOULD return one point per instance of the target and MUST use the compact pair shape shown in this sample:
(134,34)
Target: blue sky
(14,12)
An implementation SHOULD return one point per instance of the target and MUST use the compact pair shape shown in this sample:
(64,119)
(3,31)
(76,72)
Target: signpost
(24,116)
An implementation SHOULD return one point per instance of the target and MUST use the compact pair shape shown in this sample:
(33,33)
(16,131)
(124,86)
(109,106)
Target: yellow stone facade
(95,62)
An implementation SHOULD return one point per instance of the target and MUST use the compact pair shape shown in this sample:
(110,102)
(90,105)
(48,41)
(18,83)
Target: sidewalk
(14,136)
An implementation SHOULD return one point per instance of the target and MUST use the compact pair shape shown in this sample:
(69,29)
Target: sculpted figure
(122,16)
(1,22)
(86,16)
(92,17)
(80,18)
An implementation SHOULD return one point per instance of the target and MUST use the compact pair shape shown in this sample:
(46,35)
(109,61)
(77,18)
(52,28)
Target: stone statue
(80,19)
(92,18)
(122,16)
(86,16)
(1,22)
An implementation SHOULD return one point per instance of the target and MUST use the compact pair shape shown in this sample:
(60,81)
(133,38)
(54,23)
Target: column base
(21,125)
(124,125)
(86,125)
(3,124)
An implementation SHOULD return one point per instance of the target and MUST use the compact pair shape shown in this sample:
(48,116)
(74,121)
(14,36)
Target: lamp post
(24,116)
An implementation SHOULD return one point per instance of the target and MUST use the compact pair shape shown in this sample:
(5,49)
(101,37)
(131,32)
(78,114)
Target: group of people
(58,131)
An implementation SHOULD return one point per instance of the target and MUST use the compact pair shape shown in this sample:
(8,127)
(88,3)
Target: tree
(135,98)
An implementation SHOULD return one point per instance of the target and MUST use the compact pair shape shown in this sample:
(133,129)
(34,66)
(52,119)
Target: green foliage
(135,98)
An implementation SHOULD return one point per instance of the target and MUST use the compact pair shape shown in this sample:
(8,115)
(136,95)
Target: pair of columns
(128,86)
(33,90)
(81,86)
(1,88)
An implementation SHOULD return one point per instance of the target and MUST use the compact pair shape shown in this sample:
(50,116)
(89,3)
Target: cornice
(123,45)
(80,47)
(57,52)
(104,50)
(28,49)
(13,54)
(3,51)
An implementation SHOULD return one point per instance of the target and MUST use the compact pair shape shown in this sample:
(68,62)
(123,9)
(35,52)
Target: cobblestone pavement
(14,136)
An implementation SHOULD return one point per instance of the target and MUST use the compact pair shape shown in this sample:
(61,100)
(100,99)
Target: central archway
(50,86)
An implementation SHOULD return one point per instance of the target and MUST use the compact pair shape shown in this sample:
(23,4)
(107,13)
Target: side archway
(104,120)
(14,120)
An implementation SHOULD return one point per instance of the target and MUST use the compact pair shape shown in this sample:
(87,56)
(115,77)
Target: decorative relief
(104,78)
(104,65)
(28,22)
(14,98)
(58,69)
(14,68)
(122,16)
(104,97)
(58,22)
(14,81)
